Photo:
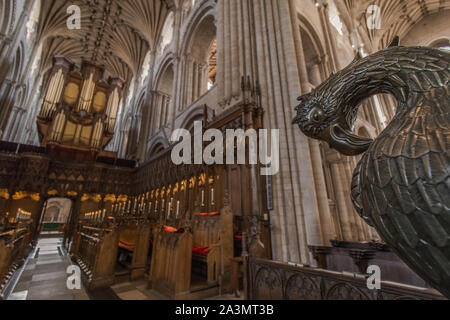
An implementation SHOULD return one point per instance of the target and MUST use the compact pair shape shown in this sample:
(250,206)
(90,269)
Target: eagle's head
(322,116)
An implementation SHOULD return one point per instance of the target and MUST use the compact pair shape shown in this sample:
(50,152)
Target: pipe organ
(79,111)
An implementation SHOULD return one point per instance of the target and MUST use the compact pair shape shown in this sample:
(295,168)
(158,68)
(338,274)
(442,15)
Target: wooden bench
(14,247)
(95,251)
(170,272)
(212,244)
(134,242)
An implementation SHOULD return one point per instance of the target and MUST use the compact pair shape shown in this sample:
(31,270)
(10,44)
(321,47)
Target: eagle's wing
(356,192)
(406,176)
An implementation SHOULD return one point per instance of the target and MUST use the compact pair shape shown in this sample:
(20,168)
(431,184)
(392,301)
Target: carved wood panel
(274,280)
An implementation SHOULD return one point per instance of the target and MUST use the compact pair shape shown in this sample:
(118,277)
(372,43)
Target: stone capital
(320,254)
(361,258)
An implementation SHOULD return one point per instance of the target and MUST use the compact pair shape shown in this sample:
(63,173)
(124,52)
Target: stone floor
(136,290)
(44,277)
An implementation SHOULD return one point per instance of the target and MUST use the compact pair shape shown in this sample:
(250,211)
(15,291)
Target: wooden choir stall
(182,225)
(95,249)
(112,245)
(134,238)
(15,236)
(202,212)
(192,252)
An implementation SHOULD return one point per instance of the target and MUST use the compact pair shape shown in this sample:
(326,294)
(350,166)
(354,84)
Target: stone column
(182,82)
(123,144)
(147,110)
(315,74)
(236,38)
(352,226)
(189,80)
(157,112)
(347,175)
(270,53)
(322,195)
(19,124)
(4,65)
(338,183)
(296,217)
(334,214)
(220,77)
(175,93)
(316,157)
(7,134)
(3,115)
(5,105)
(236,51)
(153,107)
(200,78)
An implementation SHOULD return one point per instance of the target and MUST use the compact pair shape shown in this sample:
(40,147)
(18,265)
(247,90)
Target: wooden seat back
(96,252)
(127,238)
(5,258)
(214,232)
(135,238)
(170,271)
(14,247)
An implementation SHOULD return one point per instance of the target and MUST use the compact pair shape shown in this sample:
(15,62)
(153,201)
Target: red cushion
(210,214)
(170,229)
(126,245)
(201,250)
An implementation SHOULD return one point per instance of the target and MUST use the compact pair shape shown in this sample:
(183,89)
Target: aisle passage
(45,275)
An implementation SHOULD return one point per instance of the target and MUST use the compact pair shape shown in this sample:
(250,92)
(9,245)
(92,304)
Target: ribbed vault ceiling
(117,34)
(397,16)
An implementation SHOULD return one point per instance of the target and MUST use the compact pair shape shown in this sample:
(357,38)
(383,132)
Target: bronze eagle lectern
(402,185)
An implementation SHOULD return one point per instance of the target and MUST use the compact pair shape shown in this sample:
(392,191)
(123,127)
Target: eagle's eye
(317,115)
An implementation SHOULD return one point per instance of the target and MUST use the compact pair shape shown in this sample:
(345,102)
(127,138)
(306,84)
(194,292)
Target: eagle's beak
(346,142)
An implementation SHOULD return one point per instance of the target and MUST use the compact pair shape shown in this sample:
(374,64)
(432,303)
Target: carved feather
(402,184)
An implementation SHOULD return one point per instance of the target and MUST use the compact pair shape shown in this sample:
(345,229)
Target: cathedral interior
(91,92)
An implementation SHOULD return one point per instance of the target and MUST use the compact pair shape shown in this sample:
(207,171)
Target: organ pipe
(58,126)
(53,93)
(97,135)
(57,97)
(112,109)
(86,94)
(90,121)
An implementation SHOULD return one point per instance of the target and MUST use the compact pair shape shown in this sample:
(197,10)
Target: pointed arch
(7,8)
(198,45)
